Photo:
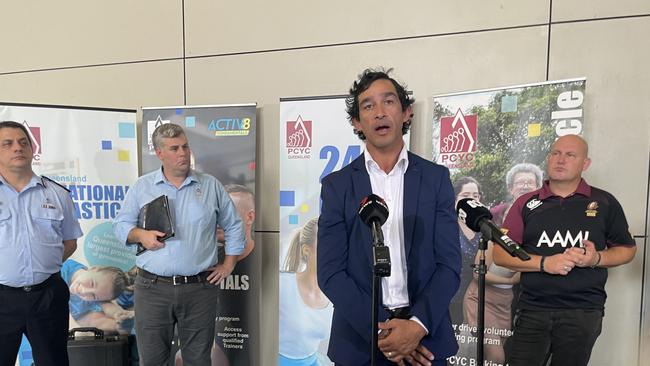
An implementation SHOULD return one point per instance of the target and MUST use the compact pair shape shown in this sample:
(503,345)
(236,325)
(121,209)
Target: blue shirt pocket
(197,212)
(47,225)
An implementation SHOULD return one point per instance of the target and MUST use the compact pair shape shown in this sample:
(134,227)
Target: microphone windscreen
(373,208)
(472,212)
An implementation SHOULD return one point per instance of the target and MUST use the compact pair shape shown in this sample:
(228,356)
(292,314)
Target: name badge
(48,205)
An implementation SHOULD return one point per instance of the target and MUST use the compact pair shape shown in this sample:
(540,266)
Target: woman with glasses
(521,178)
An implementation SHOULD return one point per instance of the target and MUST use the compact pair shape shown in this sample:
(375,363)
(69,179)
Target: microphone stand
(481,270)
(380,253)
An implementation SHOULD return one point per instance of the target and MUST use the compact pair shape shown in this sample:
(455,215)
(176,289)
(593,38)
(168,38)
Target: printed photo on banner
(494,143)
(93,154)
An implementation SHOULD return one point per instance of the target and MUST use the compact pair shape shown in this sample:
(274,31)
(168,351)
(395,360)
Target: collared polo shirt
(546,224)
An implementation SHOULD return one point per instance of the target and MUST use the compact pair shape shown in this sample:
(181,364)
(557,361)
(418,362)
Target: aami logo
(298,141)
(458,140)
(35,136)
(563,240)
(151,126)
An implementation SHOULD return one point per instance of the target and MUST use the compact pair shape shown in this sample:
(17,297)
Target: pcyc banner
(315,140)
(495,144)
(93,153)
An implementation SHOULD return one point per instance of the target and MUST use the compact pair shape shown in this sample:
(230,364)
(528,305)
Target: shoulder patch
(44,178)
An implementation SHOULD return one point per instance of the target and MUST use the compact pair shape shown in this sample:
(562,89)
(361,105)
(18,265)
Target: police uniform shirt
(33,225)
(547,224)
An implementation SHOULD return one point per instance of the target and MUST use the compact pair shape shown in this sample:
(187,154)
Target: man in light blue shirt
(176,278)
(38,230)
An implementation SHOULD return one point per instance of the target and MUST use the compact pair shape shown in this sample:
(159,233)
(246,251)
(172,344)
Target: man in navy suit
(421,232)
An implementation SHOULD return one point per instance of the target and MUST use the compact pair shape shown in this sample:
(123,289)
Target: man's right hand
(148,238)
(561,263)
(420,356)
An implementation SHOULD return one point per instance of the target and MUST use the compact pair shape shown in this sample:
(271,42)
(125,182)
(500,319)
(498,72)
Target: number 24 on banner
(331,153)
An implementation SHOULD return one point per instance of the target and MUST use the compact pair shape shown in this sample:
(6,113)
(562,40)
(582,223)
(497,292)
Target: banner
(495,144)
(222,139)
(93,153)
(315,140)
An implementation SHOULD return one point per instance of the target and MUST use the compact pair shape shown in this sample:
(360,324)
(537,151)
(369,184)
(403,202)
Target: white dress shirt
(390,187)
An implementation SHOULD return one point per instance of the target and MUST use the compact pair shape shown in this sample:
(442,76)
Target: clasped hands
(399,341)
(563,263)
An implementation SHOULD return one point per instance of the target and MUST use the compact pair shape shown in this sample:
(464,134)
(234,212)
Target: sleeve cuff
(415,319)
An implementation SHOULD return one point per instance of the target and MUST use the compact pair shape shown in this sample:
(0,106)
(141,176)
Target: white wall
(128,54)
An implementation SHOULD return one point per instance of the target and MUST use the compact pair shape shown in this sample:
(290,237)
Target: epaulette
(53,181)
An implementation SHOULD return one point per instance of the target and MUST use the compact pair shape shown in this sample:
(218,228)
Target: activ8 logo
(230,126)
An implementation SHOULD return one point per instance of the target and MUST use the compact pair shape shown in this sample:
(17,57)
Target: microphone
(373,208)
(478,218)
(373,211)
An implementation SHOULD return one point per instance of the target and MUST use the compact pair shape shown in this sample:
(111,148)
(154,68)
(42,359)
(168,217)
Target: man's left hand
(219,272)
(585,256)
(403,338)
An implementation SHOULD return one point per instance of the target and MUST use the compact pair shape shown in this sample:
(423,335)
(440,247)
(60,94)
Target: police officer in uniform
(38,231)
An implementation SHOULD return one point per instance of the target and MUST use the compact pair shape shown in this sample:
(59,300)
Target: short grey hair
(244,192)
(165,131)
(238,188)
(524,168)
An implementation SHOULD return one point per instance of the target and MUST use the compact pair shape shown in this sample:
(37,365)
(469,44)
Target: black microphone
(477,217)
(373,208)
(373,211)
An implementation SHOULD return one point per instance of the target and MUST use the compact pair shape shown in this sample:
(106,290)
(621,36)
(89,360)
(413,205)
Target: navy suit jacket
(345,258)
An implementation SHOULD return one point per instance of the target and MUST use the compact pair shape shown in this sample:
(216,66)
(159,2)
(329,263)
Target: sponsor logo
(299,139)
(592,209)
(564,240)
(35,136)
(533,204)
(474,204)
(230,126)
(458,136)
(151,126)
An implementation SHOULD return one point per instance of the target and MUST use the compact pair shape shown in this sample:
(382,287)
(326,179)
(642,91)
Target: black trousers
(564,336)
(42,315)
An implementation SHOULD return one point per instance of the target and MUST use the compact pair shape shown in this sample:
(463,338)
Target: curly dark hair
(366,78)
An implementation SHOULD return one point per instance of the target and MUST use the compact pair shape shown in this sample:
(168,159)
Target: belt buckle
(179,280)
(27,288)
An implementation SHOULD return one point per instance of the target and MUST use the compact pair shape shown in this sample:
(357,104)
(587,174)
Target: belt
(37,287)
(399,313)
(174,280)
